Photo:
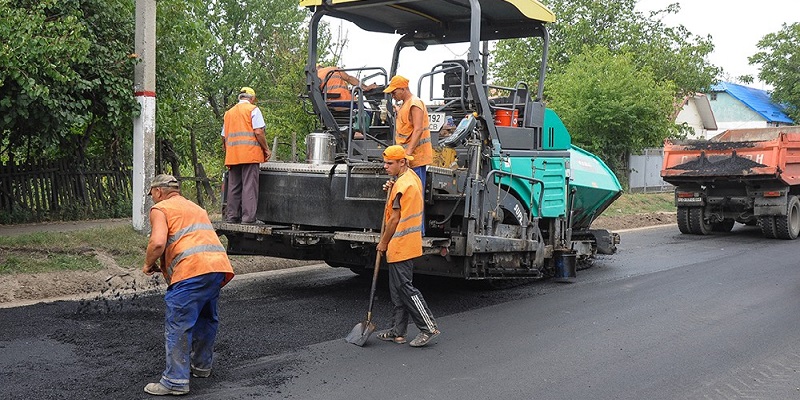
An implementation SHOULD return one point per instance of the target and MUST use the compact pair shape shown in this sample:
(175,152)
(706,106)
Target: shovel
(362,331)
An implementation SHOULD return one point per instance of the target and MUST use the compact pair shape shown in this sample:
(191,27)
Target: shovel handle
(377,263)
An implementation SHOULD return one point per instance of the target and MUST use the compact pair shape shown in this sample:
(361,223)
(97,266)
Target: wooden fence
(62,191)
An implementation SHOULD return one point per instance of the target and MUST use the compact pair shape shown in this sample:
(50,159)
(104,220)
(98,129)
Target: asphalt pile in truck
(721,165)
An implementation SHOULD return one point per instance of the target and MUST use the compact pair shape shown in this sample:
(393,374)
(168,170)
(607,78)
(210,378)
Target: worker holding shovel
(401,241)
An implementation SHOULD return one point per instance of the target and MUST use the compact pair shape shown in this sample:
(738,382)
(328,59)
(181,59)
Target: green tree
(65,78)
(208,50)
(614,107)
(779,57)
(671,53)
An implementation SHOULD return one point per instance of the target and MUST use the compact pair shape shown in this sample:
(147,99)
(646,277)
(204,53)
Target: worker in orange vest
(245,148)
(334,85)
(195,265)
(401,241)
(411,128)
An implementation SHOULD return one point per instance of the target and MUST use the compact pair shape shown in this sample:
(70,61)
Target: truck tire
(788,226)
(697,222)
(725,226)
(683,220)
(767,226)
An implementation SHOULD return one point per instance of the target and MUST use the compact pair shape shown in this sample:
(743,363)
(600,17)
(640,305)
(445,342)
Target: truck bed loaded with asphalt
(749,176)
(508,195)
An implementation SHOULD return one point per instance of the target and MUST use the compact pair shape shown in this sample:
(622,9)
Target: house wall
(691,116)
(731,113)
(729,109)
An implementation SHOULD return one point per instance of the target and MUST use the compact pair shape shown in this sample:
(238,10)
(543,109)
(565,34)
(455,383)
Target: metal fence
(645,172)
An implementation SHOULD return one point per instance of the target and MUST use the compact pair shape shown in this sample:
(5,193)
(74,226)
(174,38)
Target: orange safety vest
(193,247)
(335,84)
(406,243)
(241,145)
(423,153)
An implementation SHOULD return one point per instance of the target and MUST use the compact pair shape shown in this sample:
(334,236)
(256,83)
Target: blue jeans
(420,171)
(190,327)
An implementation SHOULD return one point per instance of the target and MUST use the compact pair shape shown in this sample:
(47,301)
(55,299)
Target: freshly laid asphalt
(668,316)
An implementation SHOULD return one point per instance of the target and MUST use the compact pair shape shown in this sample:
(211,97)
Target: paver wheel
(725,226)
(683,220)
(697,222)
(788,226)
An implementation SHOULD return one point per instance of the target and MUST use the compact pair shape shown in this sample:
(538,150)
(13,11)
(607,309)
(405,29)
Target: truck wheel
(697,222)
(788,226)
(725,226)
(767,226)
(683,220)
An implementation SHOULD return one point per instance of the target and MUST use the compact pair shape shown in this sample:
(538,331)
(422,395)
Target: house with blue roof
(737,107)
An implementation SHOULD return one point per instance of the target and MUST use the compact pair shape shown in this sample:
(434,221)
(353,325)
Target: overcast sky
(735,27)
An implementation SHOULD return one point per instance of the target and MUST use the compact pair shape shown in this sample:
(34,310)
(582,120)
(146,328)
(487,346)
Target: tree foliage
(66,74)
(779,57)
(614,107)
(64,77)
(671,53)
(614,73)
(207,51)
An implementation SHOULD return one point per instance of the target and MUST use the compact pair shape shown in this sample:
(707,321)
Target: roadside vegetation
(642,203)
(79,250)
(96,248)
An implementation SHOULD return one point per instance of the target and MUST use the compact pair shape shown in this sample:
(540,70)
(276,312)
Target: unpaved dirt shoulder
(16,288)
(111,278)
(620,222)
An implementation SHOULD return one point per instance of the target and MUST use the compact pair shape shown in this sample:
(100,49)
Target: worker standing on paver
(245,148)
(402,242)
(411,129)
(195,266)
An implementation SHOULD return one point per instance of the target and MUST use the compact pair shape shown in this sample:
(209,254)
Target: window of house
(713,96)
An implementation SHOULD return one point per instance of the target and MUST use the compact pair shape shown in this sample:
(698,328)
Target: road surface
(670,316)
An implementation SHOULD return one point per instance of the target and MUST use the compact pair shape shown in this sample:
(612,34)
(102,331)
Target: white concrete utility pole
(144,126)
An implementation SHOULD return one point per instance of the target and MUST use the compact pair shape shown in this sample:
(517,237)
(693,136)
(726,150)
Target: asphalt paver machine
(509,196)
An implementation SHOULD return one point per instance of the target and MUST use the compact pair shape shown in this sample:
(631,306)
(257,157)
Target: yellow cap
(248,90)
(396,152)
(396,83)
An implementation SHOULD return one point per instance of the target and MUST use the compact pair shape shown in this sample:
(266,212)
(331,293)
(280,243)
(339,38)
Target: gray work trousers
(242,198)
(408,300)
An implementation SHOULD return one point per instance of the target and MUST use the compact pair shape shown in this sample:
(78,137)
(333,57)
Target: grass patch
(57,251)
(19,262)
(638,203)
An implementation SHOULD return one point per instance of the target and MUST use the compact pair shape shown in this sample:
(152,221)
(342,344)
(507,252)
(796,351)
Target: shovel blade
(360,333)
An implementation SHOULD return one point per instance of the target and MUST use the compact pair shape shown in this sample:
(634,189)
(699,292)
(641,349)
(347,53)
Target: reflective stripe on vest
(406,242)
(241,145)
(423,153)
(193,247)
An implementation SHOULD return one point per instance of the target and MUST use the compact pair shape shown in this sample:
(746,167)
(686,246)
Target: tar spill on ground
(118,298)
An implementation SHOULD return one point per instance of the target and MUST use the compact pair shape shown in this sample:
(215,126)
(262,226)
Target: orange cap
(396,152)
(396,83)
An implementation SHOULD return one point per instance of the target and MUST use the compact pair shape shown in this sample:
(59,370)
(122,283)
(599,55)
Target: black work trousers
(408,300)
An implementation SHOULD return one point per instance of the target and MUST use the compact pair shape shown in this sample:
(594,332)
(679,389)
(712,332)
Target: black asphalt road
(669,316)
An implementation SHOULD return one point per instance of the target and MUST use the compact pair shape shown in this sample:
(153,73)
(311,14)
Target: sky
(735,27)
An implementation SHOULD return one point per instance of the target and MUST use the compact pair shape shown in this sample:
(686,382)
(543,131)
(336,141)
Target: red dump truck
(750,176)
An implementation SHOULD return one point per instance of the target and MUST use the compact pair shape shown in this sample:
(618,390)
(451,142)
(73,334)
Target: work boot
(157,389)
(424,338)
(200,372)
